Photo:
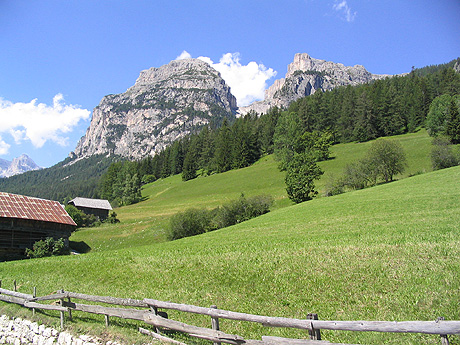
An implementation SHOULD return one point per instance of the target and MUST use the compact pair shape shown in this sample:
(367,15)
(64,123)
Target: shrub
(112,218)
(334,186)
(148,179)
(240,210)
(197,221)
(47,247)
(360,174)
(75,214)
(189,223)
(442,155)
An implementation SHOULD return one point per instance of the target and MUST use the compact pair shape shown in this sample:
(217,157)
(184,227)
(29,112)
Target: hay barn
(25,220)
(98,207)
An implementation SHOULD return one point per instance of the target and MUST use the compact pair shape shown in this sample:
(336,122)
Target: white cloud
(4,147)
(184,55)
(39,122)
(247,82)
(343,8)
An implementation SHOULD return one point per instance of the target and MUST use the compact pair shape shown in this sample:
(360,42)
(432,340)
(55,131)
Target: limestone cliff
(165,104)
(305,75)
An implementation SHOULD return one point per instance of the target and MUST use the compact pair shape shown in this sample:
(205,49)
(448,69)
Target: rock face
(457,67)
(17,166)
(164,104)
(305,75)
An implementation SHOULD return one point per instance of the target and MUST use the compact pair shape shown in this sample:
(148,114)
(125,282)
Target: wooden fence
(151,315)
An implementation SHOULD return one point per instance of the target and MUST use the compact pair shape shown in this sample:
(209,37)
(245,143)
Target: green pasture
(391,252)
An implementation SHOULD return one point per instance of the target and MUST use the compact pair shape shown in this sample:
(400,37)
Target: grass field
(391,252)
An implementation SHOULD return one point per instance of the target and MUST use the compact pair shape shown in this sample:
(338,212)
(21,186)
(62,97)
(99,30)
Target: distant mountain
(305,75)
(165,104)
(19,165)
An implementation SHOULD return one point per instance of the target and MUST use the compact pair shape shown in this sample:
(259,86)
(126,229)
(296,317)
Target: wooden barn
(98,207)
(25,220)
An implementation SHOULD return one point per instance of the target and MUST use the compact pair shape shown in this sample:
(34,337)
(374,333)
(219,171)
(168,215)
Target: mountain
(305,75)
(19,165)
(165,104)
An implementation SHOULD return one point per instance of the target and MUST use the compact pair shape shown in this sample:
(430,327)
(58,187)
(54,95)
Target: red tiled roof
(26,207)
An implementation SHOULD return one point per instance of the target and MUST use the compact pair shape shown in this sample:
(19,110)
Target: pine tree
(453,122)
(223,151)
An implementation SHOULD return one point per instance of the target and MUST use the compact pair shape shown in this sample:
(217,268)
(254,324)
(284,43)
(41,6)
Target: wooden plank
(159,336)
(123,313)
(288,341)
(15,294)
(425,327)
(44,306)
(12,299)
(195,331)
(128,302)
(58,295)
(224,314)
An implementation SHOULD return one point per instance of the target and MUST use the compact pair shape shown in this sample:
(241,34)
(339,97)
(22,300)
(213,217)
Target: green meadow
(391,252)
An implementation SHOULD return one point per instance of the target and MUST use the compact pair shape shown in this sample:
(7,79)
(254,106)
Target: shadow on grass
(80,246)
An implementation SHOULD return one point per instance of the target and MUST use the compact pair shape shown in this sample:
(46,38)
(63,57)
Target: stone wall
(16,331)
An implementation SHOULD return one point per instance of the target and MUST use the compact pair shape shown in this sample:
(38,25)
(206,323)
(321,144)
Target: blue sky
(60,57)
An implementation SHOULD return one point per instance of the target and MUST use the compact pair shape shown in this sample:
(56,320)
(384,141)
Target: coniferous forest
(395,105)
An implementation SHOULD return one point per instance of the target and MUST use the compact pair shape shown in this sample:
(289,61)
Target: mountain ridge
(17,166)
(305,75)
(163,105)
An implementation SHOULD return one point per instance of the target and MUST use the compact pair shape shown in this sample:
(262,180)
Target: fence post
(14,286)
(70,310)
(106,320)
(62,313)
(315,334)
(35,295)
(444,338)
(215,324)
(155,312)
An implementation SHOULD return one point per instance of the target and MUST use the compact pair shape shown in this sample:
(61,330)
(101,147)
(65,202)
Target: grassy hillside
(391,252)
(146,222)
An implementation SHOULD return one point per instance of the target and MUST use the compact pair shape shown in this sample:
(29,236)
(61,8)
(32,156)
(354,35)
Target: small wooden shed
(98,207)
(25,220)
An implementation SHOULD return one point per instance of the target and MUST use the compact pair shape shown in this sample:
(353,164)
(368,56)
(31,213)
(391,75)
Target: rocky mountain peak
(17,166)
(164,104)
(304,76)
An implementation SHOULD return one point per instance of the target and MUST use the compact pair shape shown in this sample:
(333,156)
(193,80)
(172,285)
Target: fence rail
(159,319)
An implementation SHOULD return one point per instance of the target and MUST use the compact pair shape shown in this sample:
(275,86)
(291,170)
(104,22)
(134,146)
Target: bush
(360,174)
(334,186)
(197,221)
(189,223)
(148,179)
(75,214)
(240,210)
(442,155)
(47,247)
(112,218)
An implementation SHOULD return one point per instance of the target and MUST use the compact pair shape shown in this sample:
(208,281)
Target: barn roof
(91,203)
(26,207)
